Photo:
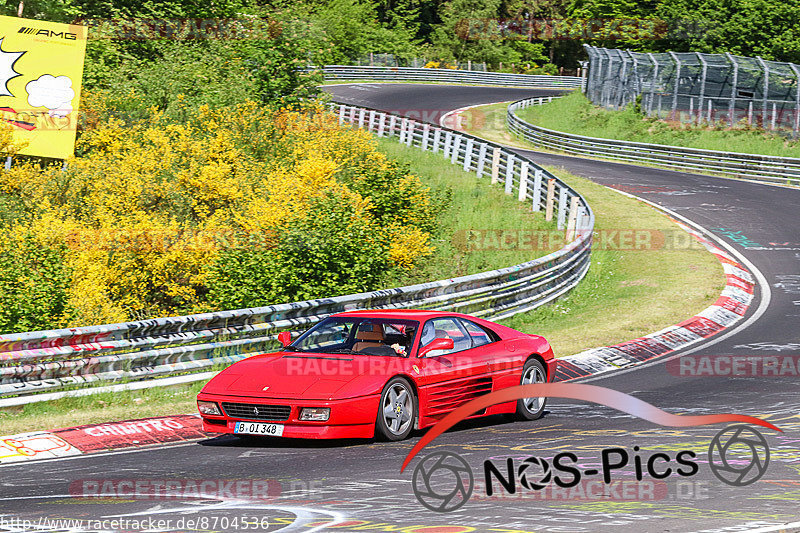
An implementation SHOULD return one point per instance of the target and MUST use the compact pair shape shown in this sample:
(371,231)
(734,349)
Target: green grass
(472,204)
(102,407)
(489,121)
(626,293)
(575,114)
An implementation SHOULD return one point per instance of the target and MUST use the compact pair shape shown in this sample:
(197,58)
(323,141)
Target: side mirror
(284,337)
(436,344)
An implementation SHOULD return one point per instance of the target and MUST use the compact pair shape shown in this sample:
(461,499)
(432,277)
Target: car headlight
(208,408)
(315,414)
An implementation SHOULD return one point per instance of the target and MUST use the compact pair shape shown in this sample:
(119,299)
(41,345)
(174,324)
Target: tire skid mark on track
(730,308)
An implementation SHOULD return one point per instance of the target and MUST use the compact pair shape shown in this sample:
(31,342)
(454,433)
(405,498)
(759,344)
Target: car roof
(412,314)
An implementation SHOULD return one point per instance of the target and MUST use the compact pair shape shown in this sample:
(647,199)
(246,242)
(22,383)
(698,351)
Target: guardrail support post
(360,118)
(454,149)
(341,115)
(381,124)
(402,137)
(411,124)
(572,221)
(468,155)
(426,134)
(551,195)
(582,227)
(352,115)
(481,159)
(523,181)
(437,136)
(392,122)
(371,120)
(562,207)
(495,166)
(510,174)
(537,190)
(448,138)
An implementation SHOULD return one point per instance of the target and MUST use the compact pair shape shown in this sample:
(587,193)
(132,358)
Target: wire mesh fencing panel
(691,87)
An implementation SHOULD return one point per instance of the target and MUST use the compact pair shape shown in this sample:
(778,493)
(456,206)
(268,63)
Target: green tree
(766,28)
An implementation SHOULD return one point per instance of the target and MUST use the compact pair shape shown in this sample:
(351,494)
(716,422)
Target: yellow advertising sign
(41,65)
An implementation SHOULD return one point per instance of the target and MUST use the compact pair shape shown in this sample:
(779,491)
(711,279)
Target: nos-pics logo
(444,481)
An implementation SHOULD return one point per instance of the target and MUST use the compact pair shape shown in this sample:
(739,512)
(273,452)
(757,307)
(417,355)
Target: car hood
(307,376)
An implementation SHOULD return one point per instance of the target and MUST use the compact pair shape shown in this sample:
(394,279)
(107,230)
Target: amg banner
(41,64)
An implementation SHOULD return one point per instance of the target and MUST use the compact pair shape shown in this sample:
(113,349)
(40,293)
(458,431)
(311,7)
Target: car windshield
(358,335)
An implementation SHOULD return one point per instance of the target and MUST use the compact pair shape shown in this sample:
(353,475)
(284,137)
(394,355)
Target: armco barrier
(61,359)
(764,168)
(342,72)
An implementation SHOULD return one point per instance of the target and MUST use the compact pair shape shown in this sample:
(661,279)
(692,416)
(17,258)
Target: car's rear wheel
(532,408)
(397,410)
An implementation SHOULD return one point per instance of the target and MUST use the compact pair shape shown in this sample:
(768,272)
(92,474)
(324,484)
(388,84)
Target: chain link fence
(713,89)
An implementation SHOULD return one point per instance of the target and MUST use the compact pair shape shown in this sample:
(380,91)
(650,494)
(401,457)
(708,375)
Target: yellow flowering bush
(233,207)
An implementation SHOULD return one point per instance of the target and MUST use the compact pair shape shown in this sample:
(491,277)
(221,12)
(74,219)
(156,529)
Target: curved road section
(581,468)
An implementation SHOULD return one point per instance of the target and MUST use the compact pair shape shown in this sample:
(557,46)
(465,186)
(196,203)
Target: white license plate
(259,428)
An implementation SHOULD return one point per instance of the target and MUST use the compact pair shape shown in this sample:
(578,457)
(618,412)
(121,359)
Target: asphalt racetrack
(357,486)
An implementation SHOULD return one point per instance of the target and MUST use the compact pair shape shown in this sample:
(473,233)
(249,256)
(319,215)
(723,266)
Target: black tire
(528,408)
(399,424)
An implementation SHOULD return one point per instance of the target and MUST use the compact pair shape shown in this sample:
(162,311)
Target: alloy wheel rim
(398,408)
(533,375)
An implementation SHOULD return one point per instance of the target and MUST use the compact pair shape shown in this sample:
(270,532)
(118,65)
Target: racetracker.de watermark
(548,29)
(595,490)
(189,489)
(721,365)
(631,239)
(181,29)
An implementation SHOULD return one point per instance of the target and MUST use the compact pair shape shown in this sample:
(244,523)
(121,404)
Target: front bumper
(352,418)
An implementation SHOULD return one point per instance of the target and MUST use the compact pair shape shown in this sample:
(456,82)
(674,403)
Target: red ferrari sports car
(360,374)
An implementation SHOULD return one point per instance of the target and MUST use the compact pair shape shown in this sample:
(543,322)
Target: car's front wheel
(532,408)
(397,410)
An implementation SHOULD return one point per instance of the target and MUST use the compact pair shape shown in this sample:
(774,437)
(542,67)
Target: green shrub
(33,285)
(337,249)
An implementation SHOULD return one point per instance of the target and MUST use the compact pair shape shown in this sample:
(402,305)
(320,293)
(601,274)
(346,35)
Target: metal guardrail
(344,72)
(76,358)
(766,168)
